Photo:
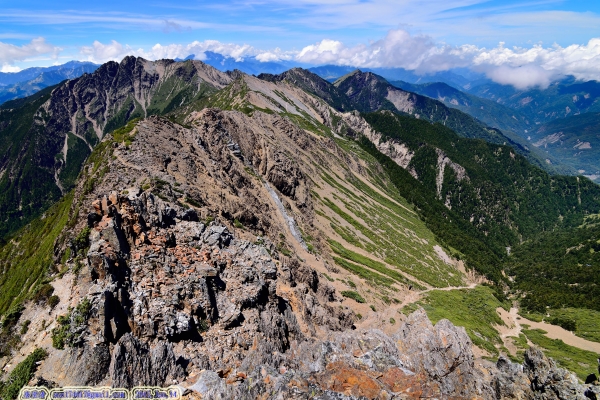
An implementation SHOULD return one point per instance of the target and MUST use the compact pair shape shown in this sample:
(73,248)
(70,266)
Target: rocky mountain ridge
(368,92)
(163,297)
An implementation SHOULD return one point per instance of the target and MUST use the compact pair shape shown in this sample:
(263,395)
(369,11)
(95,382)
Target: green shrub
(565,323)
(43,293)
(53,301)
(351,294)
(22,374)
(82,241)
(203,325)
(12,317)
(63,335)
(124,134)
(59,333)
(25,327)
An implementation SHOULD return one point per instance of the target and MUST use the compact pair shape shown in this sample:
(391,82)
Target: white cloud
(581,61)
(101,53)
(9,68)
(115,51)
(275,55)
(9,53)
(398,49)
(522,77)
(517,66)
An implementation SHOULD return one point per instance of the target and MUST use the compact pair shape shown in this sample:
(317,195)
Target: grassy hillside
(503,201)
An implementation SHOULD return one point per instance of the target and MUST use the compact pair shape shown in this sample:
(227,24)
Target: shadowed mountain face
(370,92)
(487,111)
(367,92)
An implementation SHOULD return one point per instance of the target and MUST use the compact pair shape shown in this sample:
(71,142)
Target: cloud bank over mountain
(517,66)
(521,67)
(10,53)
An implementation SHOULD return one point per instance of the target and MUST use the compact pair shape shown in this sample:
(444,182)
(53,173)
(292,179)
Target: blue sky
(34,32)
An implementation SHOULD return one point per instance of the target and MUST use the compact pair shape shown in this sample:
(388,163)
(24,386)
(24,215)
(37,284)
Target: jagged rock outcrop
(135,364)
(538,378)
(442,353)
(171,295)
(549,381)
(347,365)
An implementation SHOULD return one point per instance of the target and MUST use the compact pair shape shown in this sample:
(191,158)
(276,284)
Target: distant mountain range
(249,65)
(574,140)
(32,80)
(562,121)
(525,117)
(561,99)
(458,78)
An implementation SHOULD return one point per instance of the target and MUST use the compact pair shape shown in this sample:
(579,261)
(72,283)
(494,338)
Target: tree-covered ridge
(22,199)
(501,196)
(559,269)
(449,228)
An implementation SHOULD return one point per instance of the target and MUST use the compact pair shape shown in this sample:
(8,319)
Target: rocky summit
(257,238)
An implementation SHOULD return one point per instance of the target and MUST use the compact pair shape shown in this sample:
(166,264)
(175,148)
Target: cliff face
(98,103)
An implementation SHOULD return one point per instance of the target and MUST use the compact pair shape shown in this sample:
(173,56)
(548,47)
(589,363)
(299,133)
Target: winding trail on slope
(514,321)
(413,297)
